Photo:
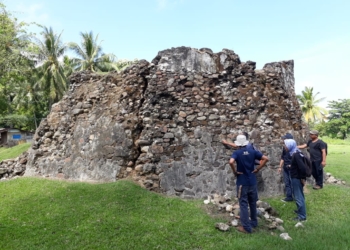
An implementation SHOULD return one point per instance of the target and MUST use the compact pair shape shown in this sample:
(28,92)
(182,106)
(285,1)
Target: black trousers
(317,172)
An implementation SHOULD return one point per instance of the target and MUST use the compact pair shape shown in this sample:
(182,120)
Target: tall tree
(16,68)
(339,118)
(310,105)
(52,77)
(30,101)
(90,56)
(14,63)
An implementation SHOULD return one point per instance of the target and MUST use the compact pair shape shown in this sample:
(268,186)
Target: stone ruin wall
(161,123)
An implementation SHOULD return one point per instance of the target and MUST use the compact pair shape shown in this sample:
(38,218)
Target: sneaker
(242,230)
(286,200)
(317,187)
(298,219)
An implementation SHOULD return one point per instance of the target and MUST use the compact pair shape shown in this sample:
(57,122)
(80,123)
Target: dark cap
(313,132)
(287,136)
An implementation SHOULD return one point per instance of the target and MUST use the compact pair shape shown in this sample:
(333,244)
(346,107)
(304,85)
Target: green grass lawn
(46,214)
(338,161)
(13,152)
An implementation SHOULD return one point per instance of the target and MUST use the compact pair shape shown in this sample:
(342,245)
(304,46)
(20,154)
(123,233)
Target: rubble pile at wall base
(162,123)
(12,168)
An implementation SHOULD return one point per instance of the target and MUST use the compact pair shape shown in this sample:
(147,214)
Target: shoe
(286,200)
(298,219)
(317,187)
(242,230)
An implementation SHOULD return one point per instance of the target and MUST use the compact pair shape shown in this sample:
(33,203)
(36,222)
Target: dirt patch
(214,212)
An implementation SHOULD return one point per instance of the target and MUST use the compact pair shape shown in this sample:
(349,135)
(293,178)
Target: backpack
(307,163)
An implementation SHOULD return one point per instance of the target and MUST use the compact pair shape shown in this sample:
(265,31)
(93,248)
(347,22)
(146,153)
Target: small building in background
(12,136)
(3,136)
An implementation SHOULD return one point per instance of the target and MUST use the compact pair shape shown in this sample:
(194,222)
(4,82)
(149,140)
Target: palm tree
(122,64)
(29,99)
(109,63)
(90,56)
(309,105)
(52,78)
(69,65)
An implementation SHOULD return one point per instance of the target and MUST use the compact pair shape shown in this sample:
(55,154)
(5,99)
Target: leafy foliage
(90,56)
(339,119)
(34,71)
(309,105)
(122,64)
(52,77)
(18,121)
(16,68)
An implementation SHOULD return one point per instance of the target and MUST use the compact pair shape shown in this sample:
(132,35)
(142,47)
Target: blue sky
(314,33)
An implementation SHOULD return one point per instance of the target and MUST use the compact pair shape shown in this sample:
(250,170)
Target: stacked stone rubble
(13,167)
(230,207)
(161,123)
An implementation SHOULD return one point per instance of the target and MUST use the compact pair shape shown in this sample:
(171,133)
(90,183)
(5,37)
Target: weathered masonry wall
(162,123)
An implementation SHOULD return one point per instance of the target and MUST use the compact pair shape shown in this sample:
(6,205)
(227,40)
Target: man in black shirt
(317,150)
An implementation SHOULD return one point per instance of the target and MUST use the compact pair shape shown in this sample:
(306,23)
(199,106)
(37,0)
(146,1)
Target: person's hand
(280,170)
(303,181)
(255,171)
(237,173)
(323,163)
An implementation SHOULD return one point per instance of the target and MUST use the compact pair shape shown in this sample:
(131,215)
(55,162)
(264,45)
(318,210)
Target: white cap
(241,140)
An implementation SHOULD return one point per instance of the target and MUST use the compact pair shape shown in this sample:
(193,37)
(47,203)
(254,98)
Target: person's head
(313,134)
(246,135)
(287,136)
(291,146)
(241,141)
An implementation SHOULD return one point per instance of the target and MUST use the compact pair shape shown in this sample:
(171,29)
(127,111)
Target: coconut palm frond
(309,105)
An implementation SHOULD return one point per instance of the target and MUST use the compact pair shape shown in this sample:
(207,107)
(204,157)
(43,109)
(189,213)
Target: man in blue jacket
(246,181)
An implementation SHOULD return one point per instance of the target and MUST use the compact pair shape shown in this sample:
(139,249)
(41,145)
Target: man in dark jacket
(317,150)
(298,175)
(284,168)
(246,181)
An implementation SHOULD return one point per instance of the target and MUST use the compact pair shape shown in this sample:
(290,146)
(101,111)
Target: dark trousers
(248,196)
(299,198)
(317,172)
(287,182)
